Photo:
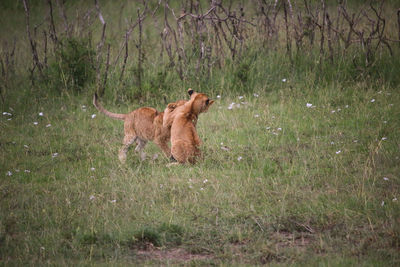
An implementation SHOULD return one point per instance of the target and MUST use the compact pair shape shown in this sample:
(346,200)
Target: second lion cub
(185,141)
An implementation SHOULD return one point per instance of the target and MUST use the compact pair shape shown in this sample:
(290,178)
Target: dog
(185,141)
(142,125)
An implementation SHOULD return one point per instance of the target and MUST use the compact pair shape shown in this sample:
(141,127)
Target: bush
(73,65)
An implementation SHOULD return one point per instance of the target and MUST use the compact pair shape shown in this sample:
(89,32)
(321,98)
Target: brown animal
(140,126)
(185,141)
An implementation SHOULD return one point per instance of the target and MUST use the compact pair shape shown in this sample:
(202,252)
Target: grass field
(300,168)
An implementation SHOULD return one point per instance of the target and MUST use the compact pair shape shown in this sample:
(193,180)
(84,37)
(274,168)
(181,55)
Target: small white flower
(91,197)
(256,116)
(239,158)
(279,129)
(48,125)
(267,127)
(355,141)
(83,107)
(339,109)
(9,173)
(333,111)
(380,92)
(190,186)
(385,122)
(93,116)
(161,186)
(383,203)
(35,123)
(225,148)
(92,169)
(27,171)
(42,248)
(284,80)
(231,105)
(372,100)
(9,119)
(26,146)
(385,178)
(202,189)
(347,106)
(7,113)
(384,138)
(205,181)
(113,201)
(54,155)
(273,117)
(218,96)
(241,97)
(394,199)
(390,105)
(309,105)
(332,143)
(256,95)
(40,113)
(338,152)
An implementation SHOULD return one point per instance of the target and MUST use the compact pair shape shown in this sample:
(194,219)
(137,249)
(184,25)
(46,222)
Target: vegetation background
(301,149)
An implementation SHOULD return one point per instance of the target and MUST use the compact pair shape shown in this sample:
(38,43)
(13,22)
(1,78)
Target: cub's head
(200,102)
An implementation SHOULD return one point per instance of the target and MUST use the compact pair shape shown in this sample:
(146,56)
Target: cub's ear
(190,91)
(211,102)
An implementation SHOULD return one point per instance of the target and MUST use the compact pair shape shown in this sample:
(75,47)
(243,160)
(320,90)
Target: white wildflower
(355,141)
(256,116)
(231,105)
(239,158)
(113,201)
(9,173)
(279,129)
(383,203)
(35,123)
(93,116)
(91,197)
(347,106)
(9,119)
(40,113)
(284,80)
(190,186)
(92,169)
(7,113)
(372,100)
(394,199)
(26,146)
(256,95)
(267,127)
(48,125)
(241,97)
(385,178)
(205,181)
(338,152)
(202,189)
(27,171)
(54,155)
(309,105)
(384,138)
(333,111)
(339,109)
(385,122)
(225,148)
(218,96)
(332,143)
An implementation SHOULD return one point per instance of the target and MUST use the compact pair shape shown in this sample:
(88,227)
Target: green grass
(280,183)
(292,198)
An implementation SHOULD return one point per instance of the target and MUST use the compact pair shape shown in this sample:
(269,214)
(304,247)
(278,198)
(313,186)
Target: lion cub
(185,141)
(140,126)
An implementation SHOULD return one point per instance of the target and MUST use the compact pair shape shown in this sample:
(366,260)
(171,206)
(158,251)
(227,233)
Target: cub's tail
(106,112)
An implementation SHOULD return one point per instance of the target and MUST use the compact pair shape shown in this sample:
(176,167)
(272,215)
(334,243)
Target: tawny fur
(185,141)
(140,126)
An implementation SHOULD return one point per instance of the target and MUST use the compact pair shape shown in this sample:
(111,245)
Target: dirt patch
(172,254)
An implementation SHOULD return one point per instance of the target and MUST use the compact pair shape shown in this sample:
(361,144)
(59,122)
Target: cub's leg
(140,146)
(128,140)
